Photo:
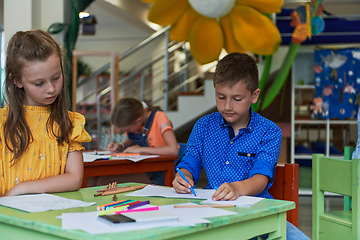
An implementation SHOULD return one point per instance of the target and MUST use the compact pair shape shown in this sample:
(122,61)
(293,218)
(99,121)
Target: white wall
(113,34)
(23,15)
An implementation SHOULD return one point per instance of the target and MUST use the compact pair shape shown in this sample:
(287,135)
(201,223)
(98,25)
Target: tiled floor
(305,211)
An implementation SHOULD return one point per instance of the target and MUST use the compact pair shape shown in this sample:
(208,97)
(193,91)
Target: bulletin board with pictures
(337,83)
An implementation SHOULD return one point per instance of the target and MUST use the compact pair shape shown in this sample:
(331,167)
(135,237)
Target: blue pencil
(183,176)
(137,205)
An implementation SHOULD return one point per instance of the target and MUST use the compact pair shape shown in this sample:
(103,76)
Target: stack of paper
(92,156)
(41,202)
(90,223)
(154,191)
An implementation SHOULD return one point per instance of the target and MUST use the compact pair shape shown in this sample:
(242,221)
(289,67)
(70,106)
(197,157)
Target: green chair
(340,176)
(348,151)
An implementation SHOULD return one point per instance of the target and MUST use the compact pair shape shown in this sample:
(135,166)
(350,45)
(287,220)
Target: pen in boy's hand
(183,176)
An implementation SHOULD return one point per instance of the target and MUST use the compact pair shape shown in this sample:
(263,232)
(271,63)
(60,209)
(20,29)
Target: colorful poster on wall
(337,82)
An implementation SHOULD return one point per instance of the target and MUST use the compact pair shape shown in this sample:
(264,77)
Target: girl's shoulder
(76,117)
(79,134)
(3,113)
(161,115)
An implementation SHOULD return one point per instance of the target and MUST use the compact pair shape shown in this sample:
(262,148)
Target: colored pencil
(183,176)
(138,210)
(107,189)
(108,204)
(112,210)
(113,191)
(137,205)
(126,154)
(128,202)
(109,133)
(204,206)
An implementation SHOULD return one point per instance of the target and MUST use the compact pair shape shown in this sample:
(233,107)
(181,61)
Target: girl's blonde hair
(126,111)
(23,47)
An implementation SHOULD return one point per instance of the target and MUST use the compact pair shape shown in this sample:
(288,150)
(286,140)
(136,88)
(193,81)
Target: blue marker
(182,175)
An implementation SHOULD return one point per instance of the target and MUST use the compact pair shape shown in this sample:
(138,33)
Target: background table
(266,216)
(114,167)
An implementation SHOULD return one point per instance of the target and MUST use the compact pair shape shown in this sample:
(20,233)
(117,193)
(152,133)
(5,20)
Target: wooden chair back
(286,187)
(340,176)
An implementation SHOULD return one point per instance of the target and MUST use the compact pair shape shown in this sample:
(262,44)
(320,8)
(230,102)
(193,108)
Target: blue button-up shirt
(225,157)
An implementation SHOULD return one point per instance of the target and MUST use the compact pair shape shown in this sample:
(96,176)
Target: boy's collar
(250,124)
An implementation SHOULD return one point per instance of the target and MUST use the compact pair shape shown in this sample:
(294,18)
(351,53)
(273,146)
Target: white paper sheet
(243,201)
(88,221)
(92,156)
(150,191)
(41,202)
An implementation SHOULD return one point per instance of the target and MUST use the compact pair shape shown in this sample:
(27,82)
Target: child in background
(40,140)
(237,147)
(148,129)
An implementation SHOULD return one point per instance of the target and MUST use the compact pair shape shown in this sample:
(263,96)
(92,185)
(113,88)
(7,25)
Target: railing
(155,81)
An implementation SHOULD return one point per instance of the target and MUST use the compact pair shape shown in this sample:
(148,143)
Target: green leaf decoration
(264,76)
(281,76)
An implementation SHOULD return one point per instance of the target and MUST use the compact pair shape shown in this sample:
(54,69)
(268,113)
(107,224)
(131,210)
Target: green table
(267,216)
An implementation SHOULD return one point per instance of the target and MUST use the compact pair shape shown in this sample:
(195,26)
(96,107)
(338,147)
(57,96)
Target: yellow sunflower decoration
(210,25)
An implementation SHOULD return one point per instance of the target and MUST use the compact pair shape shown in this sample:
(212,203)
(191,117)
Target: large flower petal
(206,40)
(180,30)
(264,6)
(231,45)
(254,31)
(166,12)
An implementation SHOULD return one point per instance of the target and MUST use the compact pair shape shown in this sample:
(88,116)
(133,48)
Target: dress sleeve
(79,134)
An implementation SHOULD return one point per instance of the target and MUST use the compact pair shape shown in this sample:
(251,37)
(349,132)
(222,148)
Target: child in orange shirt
(148,129)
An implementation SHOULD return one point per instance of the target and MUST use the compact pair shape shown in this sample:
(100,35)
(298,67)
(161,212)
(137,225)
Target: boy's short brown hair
(237,67)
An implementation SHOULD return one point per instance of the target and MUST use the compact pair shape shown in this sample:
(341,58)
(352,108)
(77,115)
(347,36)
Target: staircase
(192,107)
(159,79)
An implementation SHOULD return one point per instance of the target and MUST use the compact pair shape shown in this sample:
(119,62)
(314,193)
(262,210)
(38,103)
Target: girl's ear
(17,83)
(139,119)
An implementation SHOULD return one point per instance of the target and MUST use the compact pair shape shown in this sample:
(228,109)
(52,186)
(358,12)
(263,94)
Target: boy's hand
(113,147)
(227,191)
(249,187)
(180,185)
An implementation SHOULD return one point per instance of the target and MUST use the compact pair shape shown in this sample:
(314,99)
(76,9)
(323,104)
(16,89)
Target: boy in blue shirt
(237,147)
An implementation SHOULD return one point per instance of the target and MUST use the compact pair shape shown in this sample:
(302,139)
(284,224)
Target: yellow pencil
(112,210)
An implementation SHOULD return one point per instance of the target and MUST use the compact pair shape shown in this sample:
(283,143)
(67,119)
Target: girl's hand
(180,185)
(16,190)
(227,191)
(133,149)
(113,147)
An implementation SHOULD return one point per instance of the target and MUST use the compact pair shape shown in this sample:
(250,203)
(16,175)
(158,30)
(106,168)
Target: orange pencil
(112,203)
(123,190)
(126,154)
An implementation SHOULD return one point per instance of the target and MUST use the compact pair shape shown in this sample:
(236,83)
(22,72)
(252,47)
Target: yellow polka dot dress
(44,156)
